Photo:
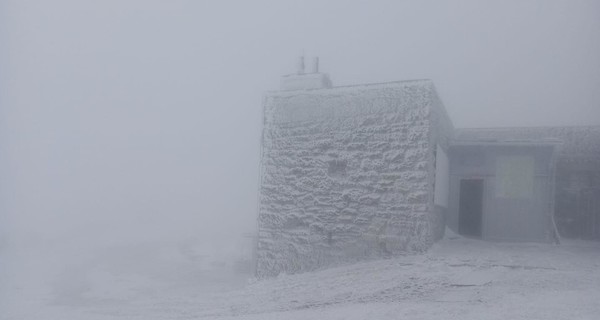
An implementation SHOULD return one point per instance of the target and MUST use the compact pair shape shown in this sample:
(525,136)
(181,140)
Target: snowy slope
(457,279)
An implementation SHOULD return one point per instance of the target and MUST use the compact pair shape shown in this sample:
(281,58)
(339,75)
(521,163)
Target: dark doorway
(470,207)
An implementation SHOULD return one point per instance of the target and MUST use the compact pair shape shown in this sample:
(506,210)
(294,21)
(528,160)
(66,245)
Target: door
(470,207)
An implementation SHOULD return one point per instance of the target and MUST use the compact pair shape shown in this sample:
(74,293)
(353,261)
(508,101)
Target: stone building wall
(345,175)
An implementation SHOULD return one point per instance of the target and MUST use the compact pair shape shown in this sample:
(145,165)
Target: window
(514,177)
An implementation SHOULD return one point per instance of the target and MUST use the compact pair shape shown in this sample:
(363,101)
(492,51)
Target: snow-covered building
(348,172)
(354,172)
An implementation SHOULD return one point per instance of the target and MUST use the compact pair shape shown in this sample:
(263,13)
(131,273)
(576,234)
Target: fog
(132,122)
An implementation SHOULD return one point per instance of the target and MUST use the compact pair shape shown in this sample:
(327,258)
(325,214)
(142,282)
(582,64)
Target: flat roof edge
(527,127)
(529,143)
(399,83)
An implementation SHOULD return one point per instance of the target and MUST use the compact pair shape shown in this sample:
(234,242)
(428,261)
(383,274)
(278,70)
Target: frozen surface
(346,174)
(456,279)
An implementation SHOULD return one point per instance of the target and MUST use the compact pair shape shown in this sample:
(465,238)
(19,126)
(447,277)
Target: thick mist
(132,128)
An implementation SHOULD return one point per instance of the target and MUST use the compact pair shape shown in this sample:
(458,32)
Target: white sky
(142,118)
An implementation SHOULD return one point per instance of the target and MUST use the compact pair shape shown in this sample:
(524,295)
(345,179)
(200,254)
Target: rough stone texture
(346,174)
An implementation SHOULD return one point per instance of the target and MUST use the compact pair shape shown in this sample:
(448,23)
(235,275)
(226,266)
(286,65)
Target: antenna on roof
(315,65)
(302,80)
(301,64)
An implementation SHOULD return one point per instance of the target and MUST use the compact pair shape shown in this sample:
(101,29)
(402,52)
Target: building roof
(413,98)
(576,141)
(509,143)
(423,83)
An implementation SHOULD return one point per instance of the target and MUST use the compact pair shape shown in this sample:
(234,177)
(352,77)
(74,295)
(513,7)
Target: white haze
(126,122)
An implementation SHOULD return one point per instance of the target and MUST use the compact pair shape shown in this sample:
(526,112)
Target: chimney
(301,65)
(315,65)
(306,81)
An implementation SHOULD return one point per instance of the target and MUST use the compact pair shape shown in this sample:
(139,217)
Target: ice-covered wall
(346,174)
(440,136)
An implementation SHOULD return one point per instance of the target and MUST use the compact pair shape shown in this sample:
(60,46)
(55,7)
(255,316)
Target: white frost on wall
(345,175)
(442,178)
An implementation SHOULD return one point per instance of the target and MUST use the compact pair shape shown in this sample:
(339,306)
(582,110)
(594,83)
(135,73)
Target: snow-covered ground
(457,279)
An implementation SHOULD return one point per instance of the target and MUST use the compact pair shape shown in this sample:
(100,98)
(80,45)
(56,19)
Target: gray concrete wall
(577,204)
(345,175)
(507,219)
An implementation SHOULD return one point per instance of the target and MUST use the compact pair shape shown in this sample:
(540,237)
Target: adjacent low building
(575,202)
(502,190)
